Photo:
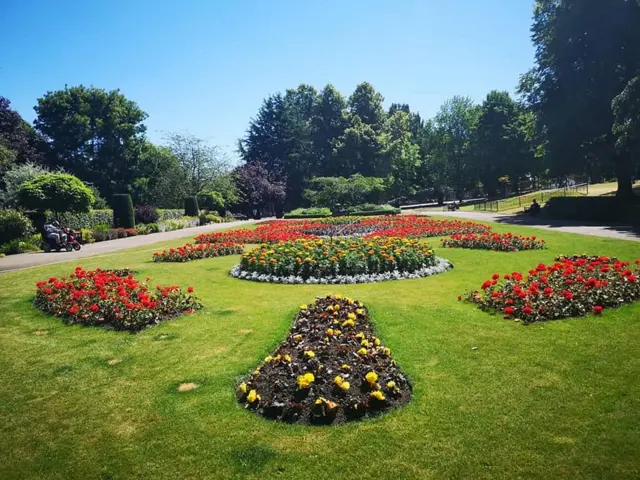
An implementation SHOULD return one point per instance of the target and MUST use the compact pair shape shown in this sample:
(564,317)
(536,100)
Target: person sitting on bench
(534,209)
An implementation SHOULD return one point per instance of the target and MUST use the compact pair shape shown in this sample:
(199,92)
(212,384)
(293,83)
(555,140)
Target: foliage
(14,225)
(257,187)
(211,201)
(326,259)
(626,126)
(30,243)
(504,242)
(178,224)
(330,191)
(191,208)
(123,213)
(99,203)
(15,177)
(314,212)
(330,369)
(146,214)
(189,252)
(76,221)
(160,179)
(93,133)
(571,287)
(18,137)
(87,235)
(104,298)
(207,218)
(170,214)
(59,192)
(373,209)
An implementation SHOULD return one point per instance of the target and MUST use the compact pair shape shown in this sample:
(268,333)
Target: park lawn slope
(559,399)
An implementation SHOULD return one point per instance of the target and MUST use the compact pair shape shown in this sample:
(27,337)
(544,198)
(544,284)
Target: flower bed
(189,252)
(412,226)
(504,242)
(353,260)
(112,299)
(330,369)
(570,287)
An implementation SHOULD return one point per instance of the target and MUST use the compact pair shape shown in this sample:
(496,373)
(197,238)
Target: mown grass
(553,400)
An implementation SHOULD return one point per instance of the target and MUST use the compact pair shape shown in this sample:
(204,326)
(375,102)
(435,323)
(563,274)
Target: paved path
(26,260)
(621,232)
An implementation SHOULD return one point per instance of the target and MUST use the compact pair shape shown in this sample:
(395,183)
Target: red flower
(508,311)
(94,308)
(459,297)
(73,310)
(527,310)
(597,309)
(486,284)
(190,289)
(495,276)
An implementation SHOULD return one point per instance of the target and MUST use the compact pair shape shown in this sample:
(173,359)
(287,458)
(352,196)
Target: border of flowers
(442,265)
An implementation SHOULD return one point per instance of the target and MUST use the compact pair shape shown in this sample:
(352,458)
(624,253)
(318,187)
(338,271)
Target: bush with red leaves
(112,299)
(571,287)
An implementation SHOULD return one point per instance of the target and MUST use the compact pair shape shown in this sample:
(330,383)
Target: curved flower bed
(571,287)
(189,252)
(330,369)
(112,299)
(408,226)
(354,260)
(504,242)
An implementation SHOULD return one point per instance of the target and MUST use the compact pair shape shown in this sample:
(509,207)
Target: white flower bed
(441,266)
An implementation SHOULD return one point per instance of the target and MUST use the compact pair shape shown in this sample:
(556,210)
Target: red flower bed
(388,226)
(193,252)
(570,287)
(112,299)
(504,242)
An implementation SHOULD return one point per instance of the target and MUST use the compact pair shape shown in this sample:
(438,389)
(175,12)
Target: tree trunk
(624,174)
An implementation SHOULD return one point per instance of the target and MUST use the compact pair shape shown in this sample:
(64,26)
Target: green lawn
(553,400)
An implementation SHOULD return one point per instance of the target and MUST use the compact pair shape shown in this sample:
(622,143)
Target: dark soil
(323,402)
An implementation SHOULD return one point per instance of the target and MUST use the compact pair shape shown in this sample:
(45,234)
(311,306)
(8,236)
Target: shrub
(370,209)
(170,214)
(309,213)
(14,225)
(182,222)
(504,242)
(109,299)
(191,207)
(30,243)
(104,232)
(193,252)
(82,220)
(211,201)
(571,287)
(146,214)
(207,218)
(123,214)
(330,369)
(59,192)
(87,235)
(15,177)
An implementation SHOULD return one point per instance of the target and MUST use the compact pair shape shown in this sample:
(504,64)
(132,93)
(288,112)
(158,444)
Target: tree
(93,133)
(18,137)
(258,187)
(586,53)
(359,149)
(366,103)
(351,191)
(59,192)
(15,177)
(200,161)
(330,124)
(626,126)
(402,156)
(160,181)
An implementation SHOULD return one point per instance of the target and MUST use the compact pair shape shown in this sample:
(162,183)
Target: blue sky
(204,66)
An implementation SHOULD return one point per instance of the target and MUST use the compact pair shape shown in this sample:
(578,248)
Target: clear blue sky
(204,66)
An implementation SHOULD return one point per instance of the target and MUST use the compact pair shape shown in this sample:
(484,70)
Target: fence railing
(523,201)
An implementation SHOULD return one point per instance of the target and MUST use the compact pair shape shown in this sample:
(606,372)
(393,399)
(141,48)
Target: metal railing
(523,201)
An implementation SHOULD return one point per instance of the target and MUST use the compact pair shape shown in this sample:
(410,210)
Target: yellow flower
(348,323)
(253,396)
(268,358)
(305,381)
(330,332)
(350,301)
(287,358)
(359,311)
(377,395)
(297,338)
(351,316)
(309,354)
(337,332)
(256,372)
(330,308)
(243,387)
(364,343)
(345,367)
(391,385)
(336,307)
(377,342)
(303,307)
(338,380)
(338,297)
(371,377)
(360,336)
(387,351)
(320,401)
(362,351)
(345,386)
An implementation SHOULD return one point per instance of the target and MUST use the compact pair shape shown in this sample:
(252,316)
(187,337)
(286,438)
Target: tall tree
(402,154)
(330,124)
(18,136)
(626,126)
(94,134)
(586,53)
(161,181)
(366,103)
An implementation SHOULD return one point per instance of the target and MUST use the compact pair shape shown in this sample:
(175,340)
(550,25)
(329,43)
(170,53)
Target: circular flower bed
(112,299)
(330,369)
(353,260)
(504,242)
(193,252)
(407,226)
(571,287)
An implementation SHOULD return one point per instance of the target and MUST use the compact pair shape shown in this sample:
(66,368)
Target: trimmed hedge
(59,192)
(191,207)
(594,209)
(123,213)
(309,213)
(77,221)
